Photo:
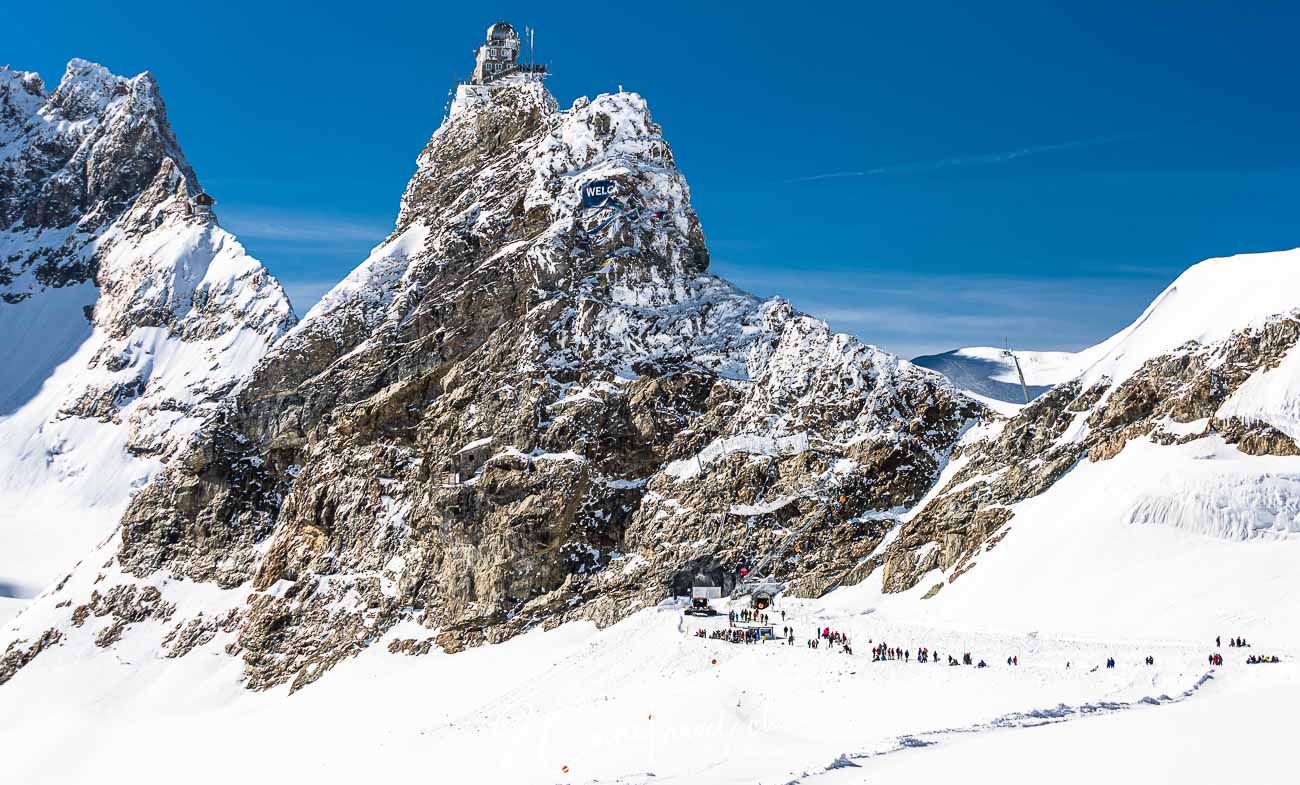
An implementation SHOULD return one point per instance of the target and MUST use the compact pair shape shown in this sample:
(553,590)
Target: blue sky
(925,176)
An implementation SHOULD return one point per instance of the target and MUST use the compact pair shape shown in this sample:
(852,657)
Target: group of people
(747,616)
(1238,642)
(730,635)
(832,638)
(883,651)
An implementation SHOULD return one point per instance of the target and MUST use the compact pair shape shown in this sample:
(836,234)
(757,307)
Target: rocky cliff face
(125,311)
(517,413)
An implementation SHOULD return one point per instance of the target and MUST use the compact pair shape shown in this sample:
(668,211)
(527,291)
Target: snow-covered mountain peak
(61,160)
(126,312)
(84,92)
(22,93)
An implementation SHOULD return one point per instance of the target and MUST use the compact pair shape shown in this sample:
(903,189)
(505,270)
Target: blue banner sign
(598,193)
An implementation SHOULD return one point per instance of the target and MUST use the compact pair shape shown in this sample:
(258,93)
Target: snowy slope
(1167,542)
(125,314)
(1166,479)
(1206,304)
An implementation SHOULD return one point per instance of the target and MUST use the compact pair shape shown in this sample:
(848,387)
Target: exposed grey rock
(491,426)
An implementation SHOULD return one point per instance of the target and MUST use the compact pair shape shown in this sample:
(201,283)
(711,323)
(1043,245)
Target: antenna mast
(1006,349)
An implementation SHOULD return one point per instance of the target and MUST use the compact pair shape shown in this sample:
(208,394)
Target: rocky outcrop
(518,413)
(19,653)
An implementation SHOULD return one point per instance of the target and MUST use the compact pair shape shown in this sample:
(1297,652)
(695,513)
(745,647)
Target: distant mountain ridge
(991,373)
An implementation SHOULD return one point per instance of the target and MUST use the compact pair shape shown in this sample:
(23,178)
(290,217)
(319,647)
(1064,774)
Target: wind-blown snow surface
(124,314)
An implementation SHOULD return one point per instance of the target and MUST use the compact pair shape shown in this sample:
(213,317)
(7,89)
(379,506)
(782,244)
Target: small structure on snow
(703,590)
(203,203)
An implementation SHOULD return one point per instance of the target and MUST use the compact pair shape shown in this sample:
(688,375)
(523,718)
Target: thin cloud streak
(303,227)
(919,167)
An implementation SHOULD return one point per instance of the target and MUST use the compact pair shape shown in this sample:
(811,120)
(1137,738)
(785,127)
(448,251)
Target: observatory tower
(496,63)
(497,55)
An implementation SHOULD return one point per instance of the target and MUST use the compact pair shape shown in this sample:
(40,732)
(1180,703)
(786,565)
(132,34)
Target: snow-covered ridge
(1207,303)
(125,312)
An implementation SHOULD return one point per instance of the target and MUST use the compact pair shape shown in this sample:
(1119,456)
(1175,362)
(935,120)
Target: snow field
(1165,542)
(618,705)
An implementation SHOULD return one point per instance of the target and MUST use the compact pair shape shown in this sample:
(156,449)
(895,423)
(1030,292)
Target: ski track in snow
(1032,718)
